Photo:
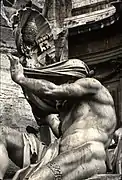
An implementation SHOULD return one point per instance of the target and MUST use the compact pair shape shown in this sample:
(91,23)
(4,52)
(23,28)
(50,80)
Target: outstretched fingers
(13,60)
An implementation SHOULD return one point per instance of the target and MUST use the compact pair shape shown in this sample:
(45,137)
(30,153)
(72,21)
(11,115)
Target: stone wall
(15,112)
(86,6)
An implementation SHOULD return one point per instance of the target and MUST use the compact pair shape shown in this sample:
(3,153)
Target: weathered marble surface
(14,109)
(107,177)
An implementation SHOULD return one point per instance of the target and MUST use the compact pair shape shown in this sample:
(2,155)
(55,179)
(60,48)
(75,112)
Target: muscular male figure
(88,121)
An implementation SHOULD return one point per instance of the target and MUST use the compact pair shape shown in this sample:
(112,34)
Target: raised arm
(77,89)
(46,89)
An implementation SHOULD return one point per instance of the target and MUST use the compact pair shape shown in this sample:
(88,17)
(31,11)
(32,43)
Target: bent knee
(92,168)
(98,150)
(86,170)
(98,166)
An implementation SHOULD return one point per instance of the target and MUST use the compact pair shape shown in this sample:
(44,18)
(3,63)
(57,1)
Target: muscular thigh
(13,142)
(83,161)
(15,148)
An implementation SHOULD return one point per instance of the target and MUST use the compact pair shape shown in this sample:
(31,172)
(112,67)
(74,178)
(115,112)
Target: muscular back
(90,118)
(88,113)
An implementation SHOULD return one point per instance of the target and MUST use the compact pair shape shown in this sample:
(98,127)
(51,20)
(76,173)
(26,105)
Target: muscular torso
(88,119)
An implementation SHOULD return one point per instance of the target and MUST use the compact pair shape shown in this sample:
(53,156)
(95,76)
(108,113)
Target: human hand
(16,68)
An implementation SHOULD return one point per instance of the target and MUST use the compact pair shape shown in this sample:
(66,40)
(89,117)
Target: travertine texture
(79,3)
(107,177)
(14,109)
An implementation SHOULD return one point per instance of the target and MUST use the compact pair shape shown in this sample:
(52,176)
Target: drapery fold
(72,67)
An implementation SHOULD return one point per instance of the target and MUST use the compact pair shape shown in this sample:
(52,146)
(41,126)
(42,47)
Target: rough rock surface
(15,112)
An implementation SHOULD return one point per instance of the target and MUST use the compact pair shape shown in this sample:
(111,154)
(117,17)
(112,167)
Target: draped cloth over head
(72,67)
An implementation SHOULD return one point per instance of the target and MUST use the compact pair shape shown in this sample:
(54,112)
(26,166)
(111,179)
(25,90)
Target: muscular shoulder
(89,83)
(104,96)
(93,86)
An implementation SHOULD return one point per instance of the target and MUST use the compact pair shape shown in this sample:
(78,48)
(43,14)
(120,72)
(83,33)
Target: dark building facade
(99,44)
